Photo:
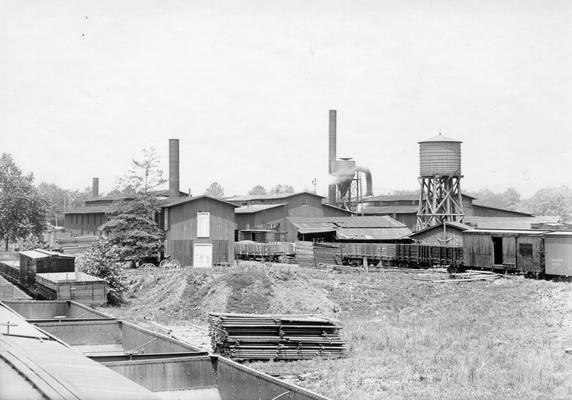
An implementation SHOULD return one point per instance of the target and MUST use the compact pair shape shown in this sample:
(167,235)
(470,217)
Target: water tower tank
(440,156)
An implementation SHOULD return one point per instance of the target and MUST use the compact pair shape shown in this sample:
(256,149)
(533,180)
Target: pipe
(95,188)
(174,167)
(368,183)
(332,132)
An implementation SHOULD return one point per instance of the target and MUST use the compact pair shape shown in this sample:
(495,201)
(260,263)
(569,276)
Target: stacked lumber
(275,337)
(305,254)
(326,254)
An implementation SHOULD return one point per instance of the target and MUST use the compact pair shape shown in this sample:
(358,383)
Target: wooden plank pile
(275,337)
(326,254)
(305,254)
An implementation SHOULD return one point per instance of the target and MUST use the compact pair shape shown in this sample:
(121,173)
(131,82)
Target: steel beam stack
(275,337)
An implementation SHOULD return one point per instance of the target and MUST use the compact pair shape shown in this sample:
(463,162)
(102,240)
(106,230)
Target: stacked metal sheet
(275,337)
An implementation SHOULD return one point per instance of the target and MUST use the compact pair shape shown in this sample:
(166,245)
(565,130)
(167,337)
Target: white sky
(246,86)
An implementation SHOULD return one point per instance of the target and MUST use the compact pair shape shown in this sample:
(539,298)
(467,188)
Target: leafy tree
(280,188)
(511,198)
(552,201)
(22,208)
(144,175)
(132,228)
(59,200)
(103,260)
(215,190)
(258,189)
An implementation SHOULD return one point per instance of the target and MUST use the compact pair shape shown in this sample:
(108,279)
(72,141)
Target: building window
(525,249)
(203,224)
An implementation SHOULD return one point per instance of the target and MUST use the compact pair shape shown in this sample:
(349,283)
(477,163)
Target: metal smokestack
(174,167)
(332,154)
(95,188)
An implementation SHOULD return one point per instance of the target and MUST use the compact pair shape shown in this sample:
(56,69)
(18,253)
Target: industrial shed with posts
(199,231)
(510,250)
(39,261)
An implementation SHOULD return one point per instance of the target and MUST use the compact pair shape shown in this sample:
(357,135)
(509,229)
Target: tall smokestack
(332,155)
(95,188)
(174,167)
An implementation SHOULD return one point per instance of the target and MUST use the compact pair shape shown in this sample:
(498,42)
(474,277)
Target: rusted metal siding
(182,230)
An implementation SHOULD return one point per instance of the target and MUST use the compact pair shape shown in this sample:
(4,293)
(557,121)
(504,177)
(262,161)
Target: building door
(497,251)
(202,255)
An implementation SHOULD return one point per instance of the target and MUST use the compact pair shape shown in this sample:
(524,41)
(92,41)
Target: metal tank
(440,156)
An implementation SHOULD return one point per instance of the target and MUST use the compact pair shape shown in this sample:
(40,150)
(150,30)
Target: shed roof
(254,208)
(34,254)
(559,234)
(403,197)
(270,196)
(181,200)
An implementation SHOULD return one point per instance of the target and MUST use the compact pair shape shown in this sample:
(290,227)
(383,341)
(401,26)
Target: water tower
(440,180)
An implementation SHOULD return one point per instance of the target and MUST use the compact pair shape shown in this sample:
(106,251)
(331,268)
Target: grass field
(407,338)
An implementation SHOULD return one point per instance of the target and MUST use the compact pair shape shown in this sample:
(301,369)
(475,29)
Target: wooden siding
(84,224)
(182,230)
(478,251)
(437,237)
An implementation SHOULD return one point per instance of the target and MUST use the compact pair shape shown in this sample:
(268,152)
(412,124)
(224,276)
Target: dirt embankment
(186,294)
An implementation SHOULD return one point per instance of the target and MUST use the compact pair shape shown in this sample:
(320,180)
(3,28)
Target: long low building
(377,229)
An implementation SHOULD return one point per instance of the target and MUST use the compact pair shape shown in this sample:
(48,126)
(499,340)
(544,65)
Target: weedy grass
(421,340)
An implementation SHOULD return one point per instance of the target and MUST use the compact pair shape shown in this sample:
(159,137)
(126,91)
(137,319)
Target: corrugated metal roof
(372,233)
(389,210)
(346,222)
(271,196)
(254,208)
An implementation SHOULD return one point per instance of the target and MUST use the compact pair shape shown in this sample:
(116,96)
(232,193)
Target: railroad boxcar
(507,250)
(558,253)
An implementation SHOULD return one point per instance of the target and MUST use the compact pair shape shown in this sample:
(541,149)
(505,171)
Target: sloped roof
(455,225)
(500,222)
(477,204)
(353,228)
(102,209)
(180,200)
(254,208)
(388,210)
(372,233)
(270,196)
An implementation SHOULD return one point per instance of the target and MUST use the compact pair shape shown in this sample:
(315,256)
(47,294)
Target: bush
(103,260)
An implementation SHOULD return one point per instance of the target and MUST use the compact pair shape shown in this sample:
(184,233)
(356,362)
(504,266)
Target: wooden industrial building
(510,250)
(371,229)
(263,218)
(443,234)
(404,208)
(199,231)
